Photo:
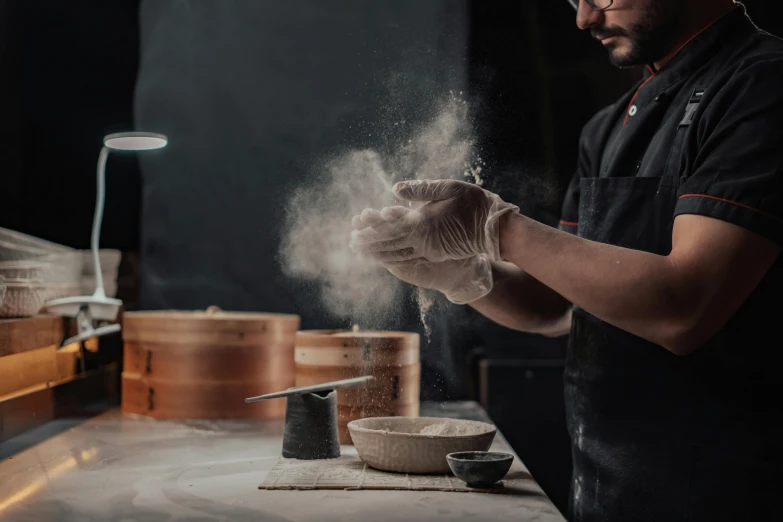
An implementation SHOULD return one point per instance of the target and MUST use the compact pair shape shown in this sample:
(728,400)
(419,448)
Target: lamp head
(135,141)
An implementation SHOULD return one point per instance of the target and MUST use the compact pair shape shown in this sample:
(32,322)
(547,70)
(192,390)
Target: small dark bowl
(479,469)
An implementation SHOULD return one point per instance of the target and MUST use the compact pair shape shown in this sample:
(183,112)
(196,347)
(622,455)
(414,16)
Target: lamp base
(89,334)
(100,308)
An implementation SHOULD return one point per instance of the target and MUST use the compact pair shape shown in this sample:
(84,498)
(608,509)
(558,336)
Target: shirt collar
(694,53)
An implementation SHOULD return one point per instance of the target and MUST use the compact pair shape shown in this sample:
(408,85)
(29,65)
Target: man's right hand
(461,281)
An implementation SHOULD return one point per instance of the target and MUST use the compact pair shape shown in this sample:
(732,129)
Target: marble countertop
(117,467)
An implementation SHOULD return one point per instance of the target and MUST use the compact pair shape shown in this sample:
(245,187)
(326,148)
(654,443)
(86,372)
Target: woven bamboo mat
(348,472)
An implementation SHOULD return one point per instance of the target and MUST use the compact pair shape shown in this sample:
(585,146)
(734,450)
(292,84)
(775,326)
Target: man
(665,269)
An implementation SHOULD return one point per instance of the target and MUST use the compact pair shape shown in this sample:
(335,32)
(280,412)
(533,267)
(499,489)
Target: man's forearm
(520,302)
(633,290)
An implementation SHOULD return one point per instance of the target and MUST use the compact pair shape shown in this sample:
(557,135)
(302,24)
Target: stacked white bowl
(36,271)
(2,290)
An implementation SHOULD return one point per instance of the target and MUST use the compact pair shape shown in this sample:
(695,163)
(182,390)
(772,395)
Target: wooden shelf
(30,333)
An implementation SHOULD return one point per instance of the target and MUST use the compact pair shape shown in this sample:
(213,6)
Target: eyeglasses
(597,5)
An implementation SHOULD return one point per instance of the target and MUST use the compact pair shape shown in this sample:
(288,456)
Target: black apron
(651,440)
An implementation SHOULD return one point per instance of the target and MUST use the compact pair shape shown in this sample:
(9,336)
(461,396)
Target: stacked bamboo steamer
(391,357)
(204,364)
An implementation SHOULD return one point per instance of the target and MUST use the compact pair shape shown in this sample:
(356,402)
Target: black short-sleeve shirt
(721,134)
(709,124)
(726,86)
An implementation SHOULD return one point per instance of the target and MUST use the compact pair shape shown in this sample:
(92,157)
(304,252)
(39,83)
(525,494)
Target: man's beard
(651,39)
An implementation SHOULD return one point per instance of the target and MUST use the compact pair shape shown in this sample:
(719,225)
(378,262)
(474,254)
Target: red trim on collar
(569,223)
(681,47)
(633,99)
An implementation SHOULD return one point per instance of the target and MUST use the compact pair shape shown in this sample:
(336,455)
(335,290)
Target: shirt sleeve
(735,175)
(569,214)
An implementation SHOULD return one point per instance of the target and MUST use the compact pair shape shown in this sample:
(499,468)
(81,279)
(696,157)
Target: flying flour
(318,217)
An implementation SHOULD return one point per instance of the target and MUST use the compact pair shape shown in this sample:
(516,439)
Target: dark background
(68,72)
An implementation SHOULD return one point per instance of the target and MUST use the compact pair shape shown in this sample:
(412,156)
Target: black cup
(479,469)
(311,426)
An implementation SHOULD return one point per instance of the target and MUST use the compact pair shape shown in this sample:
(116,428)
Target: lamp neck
(98,220)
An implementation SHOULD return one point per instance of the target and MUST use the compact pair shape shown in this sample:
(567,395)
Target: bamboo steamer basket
(391,357)
(202,365)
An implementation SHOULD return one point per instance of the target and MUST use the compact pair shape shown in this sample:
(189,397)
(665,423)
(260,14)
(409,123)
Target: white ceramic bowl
(63,267)
(417,444)
(29,270)
(60,290)
(16,246)
(22,299)
(12,238)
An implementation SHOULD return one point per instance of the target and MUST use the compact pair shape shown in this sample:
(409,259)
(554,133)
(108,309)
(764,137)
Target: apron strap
(672,177)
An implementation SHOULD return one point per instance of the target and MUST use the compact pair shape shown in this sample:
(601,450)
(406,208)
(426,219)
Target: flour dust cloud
(317,226)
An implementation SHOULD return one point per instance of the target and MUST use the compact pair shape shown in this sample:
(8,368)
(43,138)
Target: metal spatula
(327,386)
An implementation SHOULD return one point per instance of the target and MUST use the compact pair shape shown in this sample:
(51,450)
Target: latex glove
(457,221)
(461,281)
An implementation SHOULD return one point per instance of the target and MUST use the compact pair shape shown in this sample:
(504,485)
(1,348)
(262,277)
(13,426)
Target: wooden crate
(28,352)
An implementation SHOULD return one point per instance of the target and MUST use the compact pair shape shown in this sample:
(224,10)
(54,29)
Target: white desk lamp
(98,306)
